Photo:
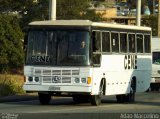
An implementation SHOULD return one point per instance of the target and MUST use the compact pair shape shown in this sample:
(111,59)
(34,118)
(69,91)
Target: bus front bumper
(57,88)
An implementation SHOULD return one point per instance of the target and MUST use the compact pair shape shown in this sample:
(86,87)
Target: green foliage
(34,11)
(11,85)
(9,5)
(76,9)
(151,21)
(66,9)
(11,51)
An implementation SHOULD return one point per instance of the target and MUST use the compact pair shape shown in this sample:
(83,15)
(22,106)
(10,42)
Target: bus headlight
(30,79)
(83,80)
(77,80)
(36,79)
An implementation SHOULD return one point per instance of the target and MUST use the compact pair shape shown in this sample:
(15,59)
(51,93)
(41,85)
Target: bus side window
(96,59)
(123,42)
(96,41)
(139,38)
(105,42)
(131,40)
(96,48)
(115,42)
(147,43)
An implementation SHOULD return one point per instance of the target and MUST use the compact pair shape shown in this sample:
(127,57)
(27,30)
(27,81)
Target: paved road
(65,107)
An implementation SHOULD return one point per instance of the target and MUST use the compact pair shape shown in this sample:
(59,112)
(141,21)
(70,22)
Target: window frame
(142,43)
(118,41)
(126,41)
(147,34)
(131,33)
(103,31)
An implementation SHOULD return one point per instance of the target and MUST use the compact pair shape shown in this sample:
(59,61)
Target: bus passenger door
(96,47)
(96,61)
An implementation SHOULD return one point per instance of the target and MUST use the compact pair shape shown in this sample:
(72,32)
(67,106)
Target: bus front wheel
(44,98)
(96,99)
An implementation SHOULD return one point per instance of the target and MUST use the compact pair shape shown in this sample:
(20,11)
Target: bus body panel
(118,79)
(66,79)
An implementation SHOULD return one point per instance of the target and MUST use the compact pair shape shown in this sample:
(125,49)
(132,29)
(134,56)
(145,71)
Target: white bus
(87,60)
(155,82)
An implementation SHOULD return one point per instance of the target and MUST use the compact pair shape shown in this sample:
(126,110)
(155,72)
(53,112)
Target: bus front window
(156,58)
(61,48)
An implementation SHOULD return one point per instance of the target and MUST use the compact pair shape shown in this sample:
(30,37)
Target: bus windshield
(60,48)
(156,58)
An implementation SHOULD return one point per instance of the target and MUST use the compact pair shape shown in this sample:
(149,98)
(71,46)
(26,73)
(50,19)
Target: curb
(17,98)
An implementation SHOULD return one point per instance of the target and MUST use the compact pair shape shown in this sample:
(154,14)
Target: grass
(11,84)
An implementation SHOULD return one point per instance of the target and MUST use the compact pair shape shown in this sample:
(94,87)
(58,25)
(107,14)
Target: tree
(76,9)
(66,9)
(9,5)
(34,11)
(133,3)
(11,51)
(151,21)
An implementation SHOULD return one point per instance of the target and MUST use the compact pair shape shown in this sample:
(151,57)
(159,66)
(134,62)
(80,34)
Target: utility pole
(153,7)
(52,9)
(138,20)
(159,18)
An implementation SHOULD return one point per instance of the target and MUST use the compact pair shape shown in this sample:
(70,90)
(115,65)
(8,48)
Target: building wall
(107,13)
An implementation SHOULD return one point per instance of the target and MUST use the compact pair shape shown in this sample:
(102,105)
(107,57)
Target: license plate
(54,88)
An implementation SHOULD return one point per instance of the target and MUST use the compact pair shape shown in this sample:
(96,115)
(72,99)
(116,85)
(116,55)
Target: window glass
(105,42)
(115,42)
(139,38)
(96,41)
(131,40)
(156,58)
(97,59)
(61,47)
(123,42)
(147,43)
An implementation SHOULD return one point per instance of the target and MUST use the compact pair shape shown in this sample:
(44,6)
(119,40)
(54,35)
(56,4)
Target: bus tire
(131,96)
(96,99)
(44,99)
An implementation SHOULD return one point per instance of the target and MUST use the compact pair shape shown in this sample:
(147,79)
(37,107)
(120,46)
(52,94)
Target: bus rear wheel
(130,98)
(44,98)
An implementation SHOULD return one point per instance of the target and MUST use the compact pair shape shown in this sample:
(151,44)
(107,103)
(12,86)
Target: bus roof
(87,23)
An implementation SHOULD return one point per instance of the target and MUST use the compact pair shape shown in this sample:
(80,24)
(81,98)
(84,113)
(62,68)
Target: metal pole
(138,20)
(159,18)
(52,9)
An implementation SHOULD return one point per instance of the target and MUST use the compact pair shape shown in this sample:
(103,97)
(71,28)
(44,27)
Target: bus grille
(56,76)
